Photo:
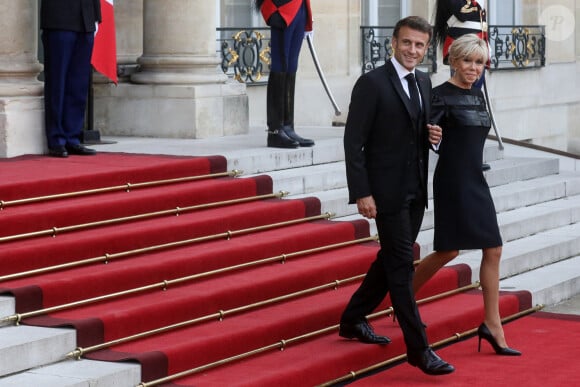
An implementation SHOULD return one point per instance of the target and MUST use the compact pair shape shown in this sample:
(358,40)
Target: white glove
(309,33)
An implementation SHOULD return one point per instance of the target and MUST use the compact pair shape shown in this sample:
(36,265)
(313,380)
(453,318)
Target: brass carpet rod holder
(125,187)
(164,285)
(108,257)
(280,345)
(54,231)
(456,337)
(79,352)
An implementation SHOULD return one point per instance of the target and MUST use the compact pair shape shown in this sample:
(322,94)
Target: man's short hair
(414,23)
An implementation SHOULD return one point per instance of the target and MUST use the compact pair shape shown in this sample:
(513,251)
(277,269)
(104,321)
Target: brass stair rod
(391,311)
(457,337)
(126,187)
(452,292)
(278,345)
(164,285)
(53,232)
(107,257)
(79,352)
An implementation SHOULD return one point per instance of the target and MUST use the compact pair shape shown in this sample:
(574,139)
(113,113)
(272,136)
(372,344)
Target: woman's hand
(435,134)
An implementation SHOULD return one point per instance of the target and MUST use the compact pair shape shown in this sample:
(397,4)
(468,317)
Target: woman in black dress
(465,215)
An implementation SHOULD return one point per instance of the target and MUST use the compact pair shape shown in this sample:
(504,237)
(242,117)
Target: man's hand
(435,134)
(366,207)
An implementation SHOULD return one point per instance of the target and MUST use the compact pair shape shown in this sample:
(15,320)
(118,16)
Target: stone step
(559,281)
(552,255)
(328,150)
(538,190)
(518,168)
(7,306)
(315,174)
(524,193)
(23,347)
(525,221)
(523,255)
(77,373)
(265,160)
(506,197)
(310,180)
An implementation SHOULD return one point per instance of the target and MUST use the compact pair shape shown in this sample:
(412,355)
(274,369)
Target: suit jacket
(380,137)
(70,15)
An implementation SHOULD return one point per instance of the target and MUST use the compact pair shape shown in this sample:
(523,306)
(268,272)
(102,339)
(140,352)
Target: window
(381,12)
(238,13)
(504,12)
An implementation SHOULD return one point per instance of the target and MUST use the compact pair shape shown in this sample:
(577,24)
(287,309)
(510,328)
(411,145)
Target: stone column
(21,102)
(179,91)
(179,46)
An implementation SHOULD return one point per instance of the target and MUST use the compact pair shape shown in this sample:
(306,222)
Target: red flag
(104,58)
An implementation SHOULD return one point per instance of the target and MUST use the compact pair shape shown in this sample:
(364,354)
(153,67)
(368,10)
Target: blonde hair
(466,46)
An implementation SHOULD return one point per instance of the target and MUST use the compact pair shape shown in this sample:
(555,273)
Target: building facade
(172,83)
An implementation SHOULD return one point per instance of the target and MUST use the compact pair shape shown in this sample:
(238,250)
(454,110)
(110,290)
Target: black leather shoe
(305,142)
(485,167)
(78,149)
(363,332)
(429,362)
(58,152)
(279,139)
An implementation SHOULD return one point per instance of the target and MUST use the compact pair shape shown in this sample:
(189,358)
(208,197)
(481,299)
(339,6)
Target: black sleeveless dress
(465,216)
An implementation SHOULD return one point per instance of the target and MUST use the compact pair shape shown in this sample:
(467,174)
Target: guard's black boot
(289,112)
(277,137)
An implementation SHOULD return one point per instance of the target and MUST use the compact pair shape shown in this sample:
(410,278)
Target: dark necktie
(414,93)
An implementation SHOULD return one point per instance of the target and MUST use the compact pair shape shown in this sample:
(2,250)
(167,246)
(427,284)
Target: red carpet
(28,176)
(242,279)
(549,343)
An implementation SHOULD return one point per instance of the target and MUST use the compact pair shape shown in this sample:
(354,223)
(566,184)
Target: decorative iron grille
(520,47)
(245,53)
(511,47)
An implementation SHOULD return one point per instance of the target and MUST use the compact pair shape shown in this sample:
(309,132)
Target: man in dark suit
(68,31)
(386,143)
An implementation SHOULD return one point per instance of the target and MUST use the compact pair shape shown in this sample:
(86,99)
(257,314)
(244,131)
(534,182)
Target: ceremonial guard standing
(455,18)
(289,22)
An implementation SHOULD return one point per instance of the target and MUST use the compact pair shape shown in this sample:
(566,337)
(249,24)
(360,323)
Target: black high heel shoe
(483,332)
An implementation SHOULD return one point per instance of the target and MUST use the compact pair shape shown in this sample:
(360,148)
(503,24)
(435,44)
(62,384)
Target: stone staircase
(538,206)
(538,209)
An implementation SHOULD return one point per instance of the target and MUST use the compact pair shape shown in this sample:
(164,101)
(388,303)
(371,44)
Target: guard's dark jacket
(64,15)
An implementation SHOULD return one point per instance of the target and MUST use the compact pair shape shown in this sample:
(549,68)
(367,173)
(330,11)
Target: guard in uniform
(455,18)
(289,21)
